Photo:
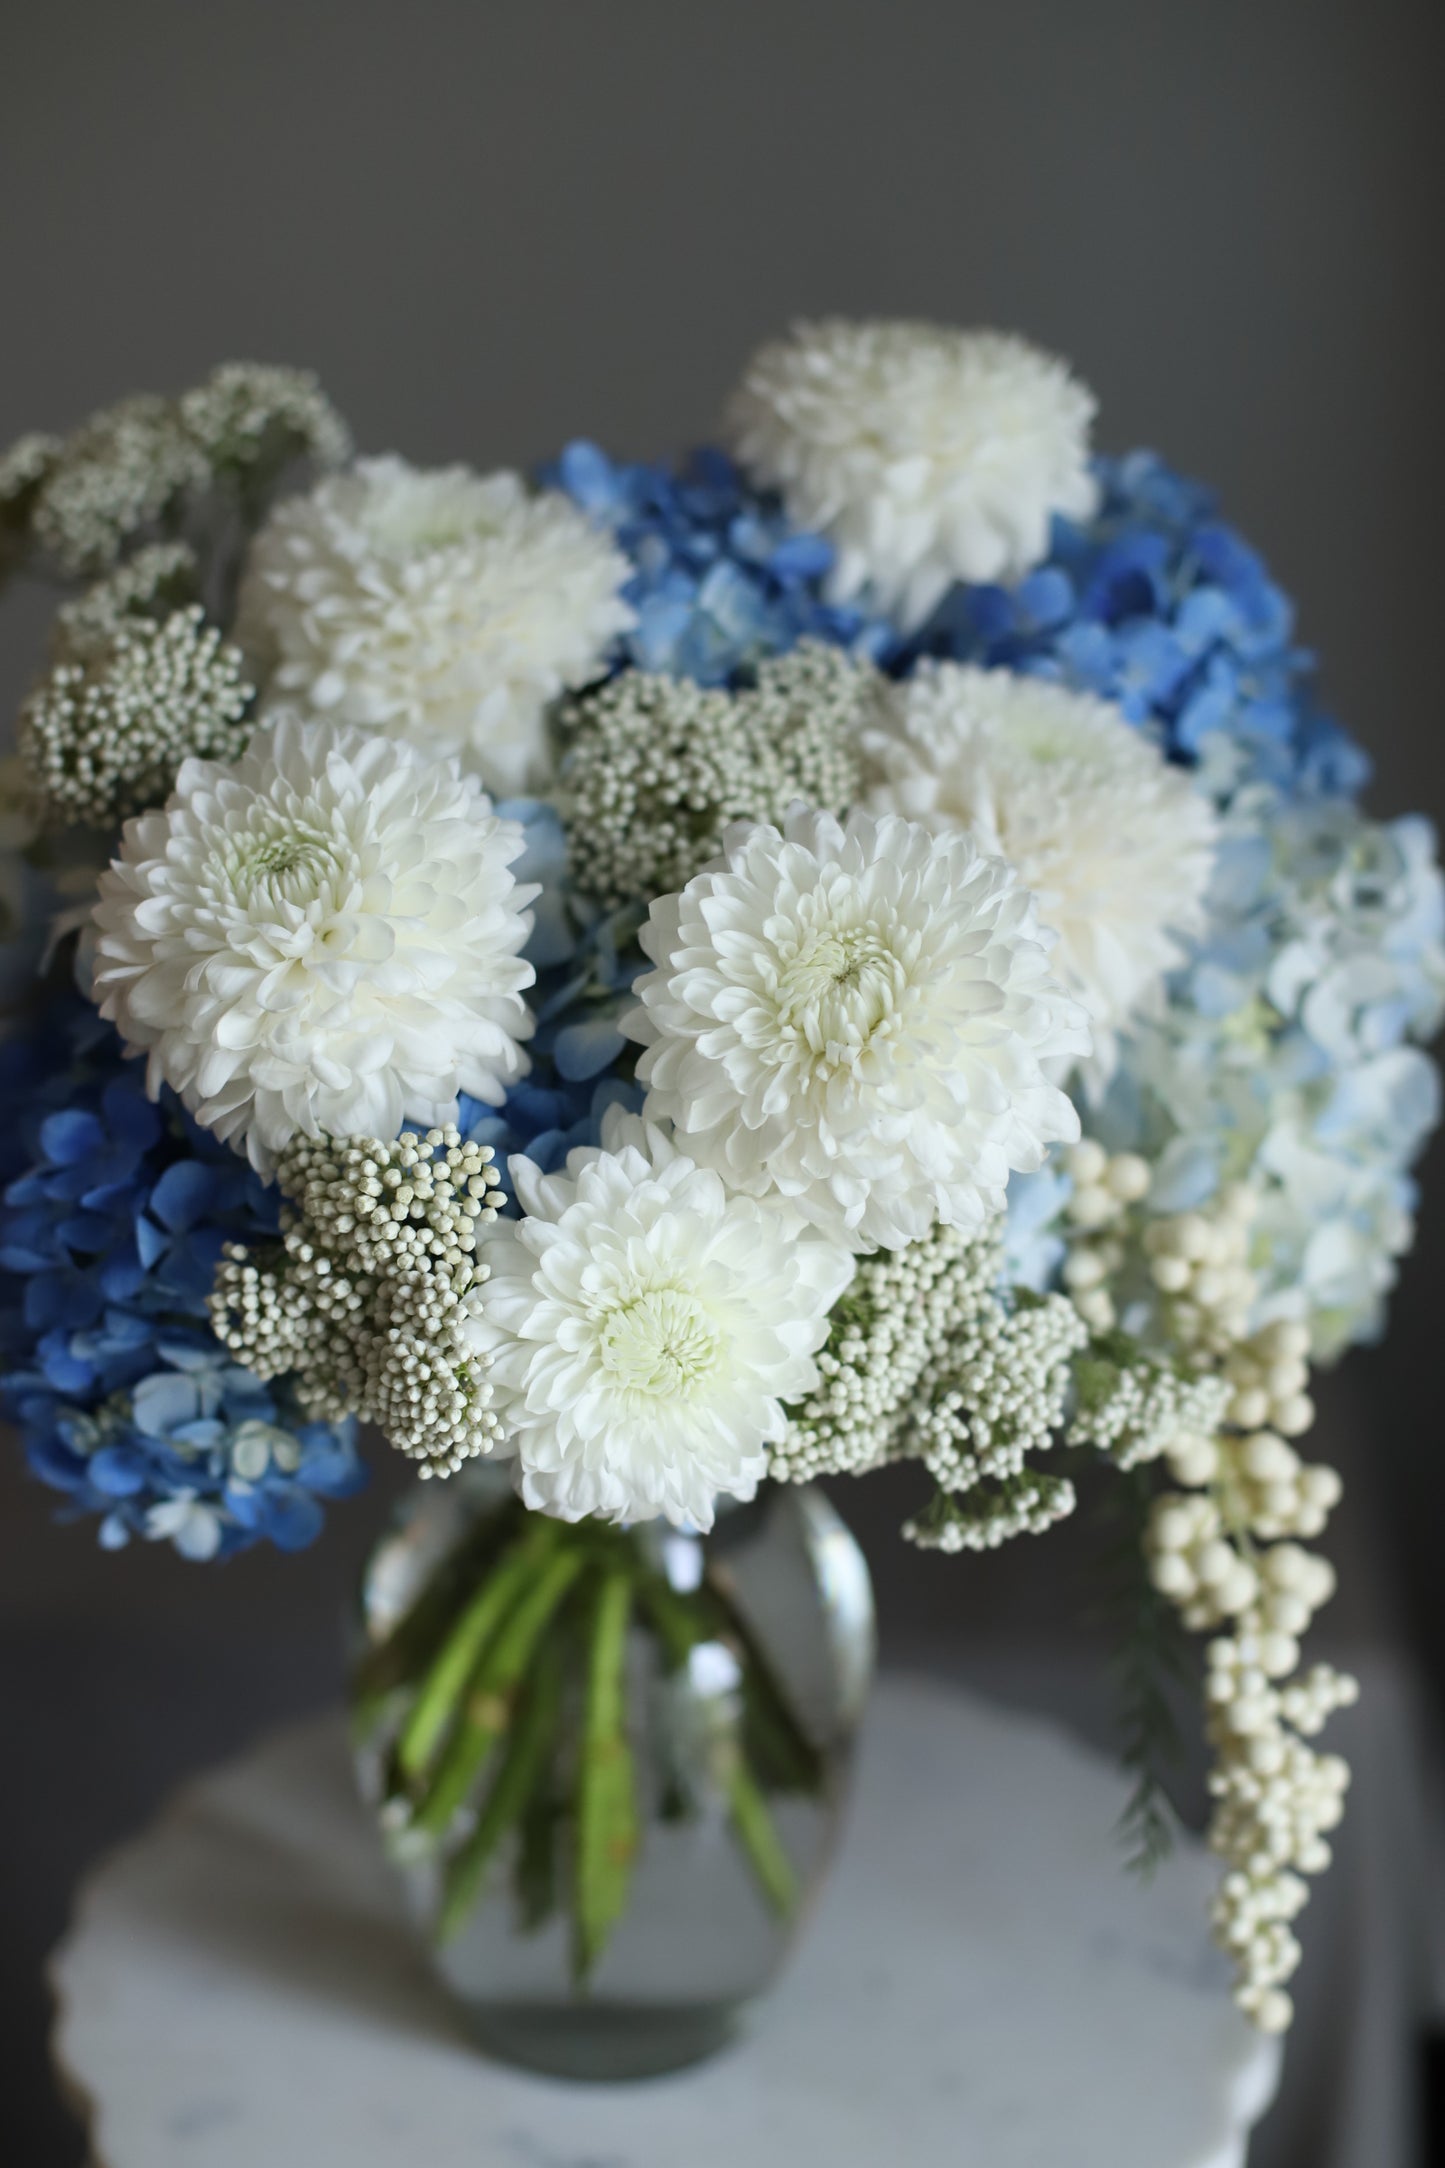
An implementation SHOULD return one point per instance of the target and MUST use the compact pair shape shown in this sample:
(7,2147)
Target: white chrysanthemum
(443,606)
(856,1019)
(925,455)
(1116,845)
(320,938)
(644,1328)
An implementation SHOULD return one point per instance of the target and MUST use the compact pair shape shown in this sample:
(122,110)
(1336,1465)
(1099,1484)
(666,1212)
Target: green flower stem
(776,1737)
(606,1792)
(758,1834)
(530,1746)
(675,1619)
(487,1712)
(435,1706)
(682,1622)
(399,1661)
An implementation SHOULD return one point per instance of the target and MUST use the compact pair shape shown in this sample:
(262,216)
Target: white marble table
(982,1986)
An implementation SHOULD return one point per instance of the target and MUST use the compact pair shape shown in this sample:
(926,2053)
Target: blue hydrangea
(115,1212)
(586,963)
(1157,604)
(721,579)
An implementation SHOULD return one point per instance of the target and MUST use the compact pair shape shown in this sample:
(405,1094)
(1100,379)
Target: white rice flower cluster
(24,466)
(365,1303)
(992,1514)
(1009,1381)
(115,477)
(925,455)
(655,768)
(926,1360)
(645,1329)
(322,939)
(158,578)
(1115,843)
(888,1349)
(443,607)
(1136,1406)
(1223,1550)
(103,737)
(252,414)
(88,497)
(856,1020)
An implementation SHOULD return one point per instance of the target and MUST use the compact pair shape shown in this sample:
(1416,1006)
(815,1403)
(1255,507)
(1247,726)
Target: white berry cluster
(655,767)
(1199,1262)
(103,737)
(1104,1190)
(365,1300)
(1263,1483)
(1223,1548)
(1276,1800)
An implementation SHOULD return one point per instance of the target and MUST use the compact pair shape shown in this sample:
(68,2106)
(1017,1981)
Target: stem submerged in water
(496,1667)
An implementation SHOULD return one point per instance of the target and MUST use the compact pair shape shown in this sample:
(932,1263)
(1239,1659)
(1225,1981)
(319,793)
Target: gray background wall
(493,226)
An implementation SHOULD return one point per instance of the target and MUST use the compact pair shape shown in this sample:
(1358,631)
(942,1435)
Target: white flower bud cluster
(88,497)
(926,1361)
(23,468)
(251,413)
(992,1514)
(156,580)
(114,478)
(655,768)
(102,738)
(1009,1377)
(1105,1188)
(891,1341)
(365,1300)
(1136,1410)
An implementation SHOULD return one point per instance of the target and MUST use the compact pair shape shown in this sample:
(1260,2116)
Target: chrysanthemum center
(838,991)
(660,1343)
(288,864)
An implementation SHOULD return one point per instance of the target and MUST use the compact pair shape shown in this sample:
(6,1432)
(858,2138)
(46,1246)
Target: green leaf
(757,1832)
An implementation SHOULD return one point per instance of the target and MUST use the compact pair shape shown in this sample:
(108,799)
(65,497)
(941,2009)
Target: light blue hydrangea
(1289,1050)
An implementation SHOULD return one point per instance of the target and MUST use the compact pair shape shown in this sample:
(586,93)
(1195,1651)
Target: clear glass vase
(609,1763)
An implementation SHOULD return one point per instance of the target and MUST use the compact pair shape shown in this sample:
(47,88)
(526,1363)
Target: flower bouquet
(653,986)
